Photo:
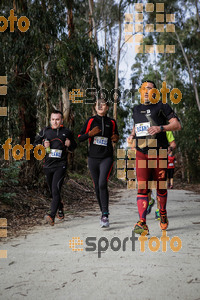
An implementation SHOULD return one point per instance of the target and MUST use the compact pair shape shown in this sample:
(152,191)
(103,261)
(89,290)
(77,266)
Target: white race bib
(100,140)
(55,153)
(141,129)
(171,164)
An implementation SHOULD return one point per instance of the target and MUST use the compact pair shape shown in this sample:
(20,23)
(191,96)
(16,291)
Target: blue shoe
(151,204)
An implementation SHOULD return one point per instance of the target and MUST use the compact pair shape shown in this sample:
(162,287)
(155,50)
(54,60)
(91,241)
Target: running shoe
(157,215)
(151,204)
(171,187)
(49,220)
(104,222)
(140,227)
(163,221)
(60,214)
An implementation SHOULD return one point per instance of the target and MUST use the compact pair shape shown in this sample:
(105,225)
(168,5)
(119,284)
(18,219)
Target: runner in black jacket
(59,139)
(101,132)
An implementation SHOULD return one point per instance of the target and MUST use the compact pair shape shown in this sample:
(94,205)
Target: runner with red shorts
(151,121)
(170,168)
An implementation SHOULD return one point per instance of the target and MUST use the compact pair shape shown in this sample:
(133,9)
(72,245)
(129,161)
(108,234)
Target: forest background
(81,45)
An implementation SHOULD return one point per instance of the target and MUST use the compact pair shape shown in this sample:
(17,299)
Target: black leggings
(100,169)
(55,178)
(170,173)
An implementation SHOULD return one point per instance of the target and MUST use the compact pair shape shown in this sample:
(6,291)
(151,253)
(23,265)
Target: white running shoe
(104,222)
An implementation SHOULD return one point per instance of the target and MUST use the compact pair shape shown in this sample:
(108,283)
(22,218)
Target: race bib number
(55,153)
(141,129)
(171,164)
(100,141)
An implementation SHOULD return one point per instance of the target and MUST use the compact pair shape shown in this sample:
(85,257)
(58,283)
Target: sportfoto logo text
(92,95)
(23,22)
(102,244)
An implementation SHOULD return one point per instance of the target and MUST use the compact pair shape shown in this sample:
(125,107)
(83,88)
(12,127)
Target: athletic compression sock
(105,215)
(142,203)
(162,201)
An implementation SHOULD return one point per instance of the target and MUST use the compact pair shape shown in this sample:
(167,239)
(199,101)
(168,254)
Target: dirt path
(42,266)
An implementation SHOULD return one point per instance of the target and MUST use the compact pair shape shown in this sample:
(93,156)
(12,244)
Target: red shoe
(163,221)
(49,220)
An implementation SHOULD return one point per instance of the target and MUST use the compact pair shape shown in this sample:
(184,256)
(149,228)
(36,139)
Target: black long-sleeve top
(101,144)
(57,138)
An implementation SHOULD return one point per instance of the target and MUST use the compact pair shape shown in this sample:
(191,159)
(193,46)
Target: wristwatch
(161,128)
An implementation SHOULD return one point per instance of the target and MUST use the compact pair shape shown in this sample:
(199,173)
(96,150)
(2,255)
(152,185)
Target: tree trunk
(117,63)
(111,41)
(67,112)
(65,104)
(197,13)
(64,90)
(182,165)
(26,108)
(95,36)
(47,104)
(44,67)
(91,55)
(187,169)
(105,42)
(190,72)
(70,21)
(14,5)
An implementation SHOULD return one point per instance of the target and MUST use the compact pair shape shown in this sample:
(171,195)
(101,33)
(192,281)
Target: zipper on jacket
(102,120)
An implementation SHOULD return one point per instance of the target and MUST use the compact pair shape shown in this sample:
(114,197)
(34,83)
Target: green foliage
(46,58)
(9,175)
